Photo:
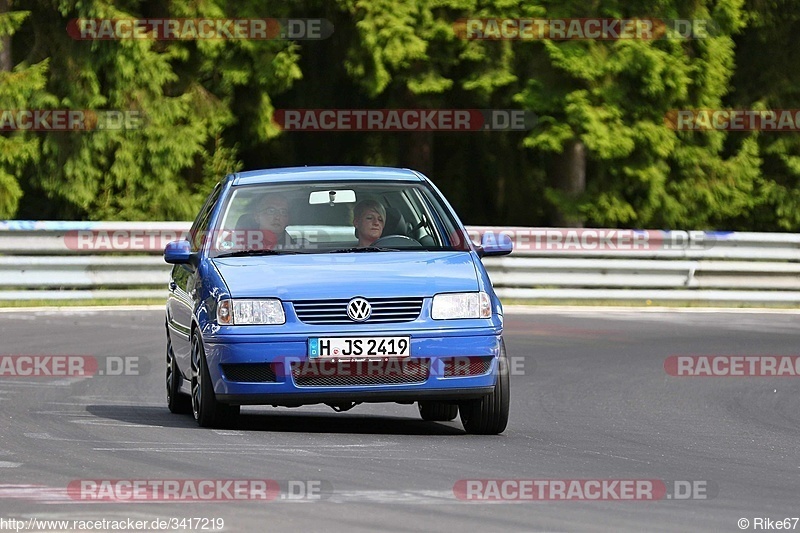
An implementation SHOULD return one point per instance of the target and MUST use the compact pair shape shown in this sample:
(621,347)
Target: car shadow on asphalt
(281,421)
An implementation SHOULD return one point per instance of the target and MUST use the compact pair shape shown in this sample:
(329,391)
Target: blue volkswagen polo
(334,285)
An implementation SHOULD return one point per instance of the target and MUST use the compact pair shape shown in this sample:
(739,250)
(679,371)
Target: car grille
(249,372)
(330,373)
(465,366)
(335,311)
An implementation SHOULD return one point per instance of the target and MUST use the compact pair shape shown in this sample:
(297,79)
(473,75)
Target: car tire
(206,409)
(178,402)
(489,415)
(437,411)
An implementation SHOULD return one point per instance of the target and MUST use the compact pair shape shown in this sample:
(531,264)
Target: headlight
(461,305)
(243,312)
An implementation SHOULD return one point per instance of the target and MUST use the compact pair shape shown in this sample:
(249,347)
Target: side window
(200,226)
(450,232)
(420,217)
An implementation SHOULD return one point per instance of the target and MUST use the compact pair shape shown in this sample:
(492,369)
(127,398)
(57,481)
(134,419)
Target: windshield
(337,217)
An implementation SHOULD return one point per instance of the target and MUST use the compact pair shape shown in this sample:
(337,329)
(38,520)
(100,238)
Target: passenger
(369,218)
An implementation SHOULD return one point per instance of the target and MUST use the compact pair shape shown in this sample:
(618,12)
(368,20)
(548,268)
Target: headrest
(246,221)
(395,223)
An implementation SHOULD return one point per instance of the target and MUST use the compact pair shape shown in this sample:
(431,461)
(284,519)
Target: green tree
(410,55)
(184,91)
(603,106)
(21,87)
(767,78)
(601,153)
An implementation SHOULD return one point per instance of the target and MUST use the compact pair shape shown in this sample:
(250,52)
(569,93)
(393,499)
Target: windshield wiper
(246,253)
(364,249)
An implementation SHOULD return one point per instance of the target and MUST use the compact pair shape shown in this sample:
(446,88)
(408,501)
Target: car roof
(325,173)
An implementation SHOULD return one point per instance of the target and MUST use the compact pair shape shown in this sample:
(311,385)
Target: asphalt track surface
(590,400)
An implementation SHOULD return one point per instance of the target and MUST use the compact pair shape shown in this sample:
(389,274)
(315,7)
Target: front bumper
(437,352)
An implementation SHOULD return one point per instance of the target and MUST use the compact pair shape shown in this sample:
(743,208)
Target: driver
(369,218)
(272,217)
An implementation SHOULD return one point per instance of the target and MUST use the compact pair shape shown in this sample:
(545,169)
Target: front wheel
(489,415)
(206,409)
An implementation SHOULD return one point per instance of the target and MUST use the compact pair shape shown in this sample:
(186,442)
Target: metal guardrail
(80,260)
(53,238)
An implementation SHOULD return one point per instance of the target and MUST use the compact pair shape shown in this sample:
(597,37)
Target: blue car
(334,285)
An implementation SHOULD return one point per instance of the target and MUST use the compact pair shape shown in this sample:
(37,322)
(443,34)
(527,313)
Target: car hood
(345,275)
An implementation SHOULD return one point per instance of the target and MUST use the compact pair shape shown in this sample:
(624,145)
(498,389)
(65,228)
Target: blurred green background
(599,156)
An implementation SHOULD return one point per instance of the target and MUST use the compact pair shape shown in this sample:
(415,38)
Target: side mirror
(493,244)
(178,252)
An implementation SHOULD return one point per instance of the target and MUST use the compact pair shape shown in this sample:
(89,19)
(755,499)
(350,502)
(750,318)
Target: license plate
(359,347)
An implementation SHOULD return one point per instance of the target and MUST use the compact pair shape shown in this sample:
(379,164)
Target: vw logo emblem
(359,310)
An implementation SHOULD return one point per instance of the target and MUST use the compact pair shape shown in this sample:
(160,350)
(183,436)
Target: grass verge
(82,303)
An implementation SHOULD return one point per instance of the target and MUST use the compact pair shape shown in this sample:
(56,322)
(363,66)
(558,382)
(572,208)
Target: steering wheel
(396,241)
